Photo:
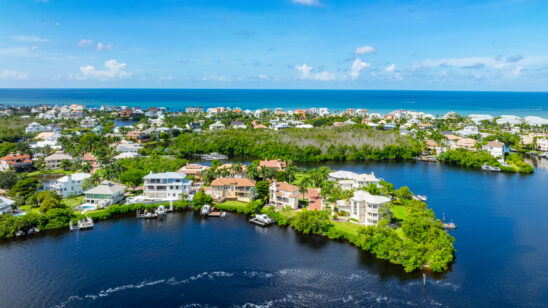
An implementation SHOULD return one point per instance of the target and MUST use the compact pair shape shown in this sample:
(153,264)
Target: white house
(5,205)
(34,128)
(468,131)
(105,194)
(283,195)
(166,186)
(70,185)
(542,144)
(129,147)
(365,179)
(364,207)
(495,148)
(217,126)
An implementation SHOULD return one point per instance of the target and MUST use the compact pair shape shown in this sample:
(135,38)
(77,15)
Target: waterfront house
(6,205)
(54,161)
(229,170)
(495,148)
(364,208)
(88,122)
(129,147)
(466,143)
(166,186)
(16,161)
(434,146)
(105,194)
(284,195)
(468,131)
(70,185)
(342,175)
(231,189)
(363,180)
(126,155)
(277,164)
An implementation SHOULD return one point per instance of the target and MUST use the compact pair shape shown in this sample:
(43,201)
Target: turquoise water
(435,102)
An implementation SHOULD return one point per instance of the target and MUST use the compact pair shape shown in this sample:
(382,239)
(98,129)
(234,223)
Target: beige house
(283,195)
(231,189)
(54,161)
(466,143)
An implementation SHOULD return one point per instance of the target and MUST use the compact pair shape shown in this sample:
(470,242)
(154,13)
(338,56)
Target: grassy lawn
(346,227)
(29,209)
(55,171)
(399,211)
(298,178)
(72,202)
(233,203)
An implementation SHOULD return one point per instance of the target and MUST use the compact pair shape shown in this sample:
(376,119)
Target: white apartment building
(70,185)
(364,207)
(34,128)
(166,186)
(495,148)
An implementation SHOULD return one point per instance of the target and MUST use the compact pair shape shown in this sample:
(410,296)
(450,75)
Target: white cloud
(304,71)
(307,2)
(184,60)
(366,50)
(324,76)
(261,76)
(100,46)
(390,68)
(13,75)
(215,77)
(464,62)
(113,69)
(357,66)
(30,39)
(84,43)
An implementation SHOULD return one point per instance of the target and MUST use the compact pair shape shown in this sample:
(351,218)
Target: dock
(84,224)
(147,215)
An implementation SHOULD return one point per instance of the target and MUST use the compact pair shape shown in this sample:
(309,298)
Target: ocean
(435,102)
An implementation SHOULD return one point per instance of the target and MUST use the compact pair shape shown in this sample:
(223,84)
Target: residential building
(231,189)
(542,144)
(34,128)
(217,126)
(16,161)
(6,205)
(466,143)
(238,124)
(434,146)
(284,195)
(364,208)
(468,131)
(277,164)
(166,186)
(193,170)
(194,109)
(129,147)
(140,137)
(70,185)
(105,194)
(495,148)
(363,180)
(54,161)
(231,170)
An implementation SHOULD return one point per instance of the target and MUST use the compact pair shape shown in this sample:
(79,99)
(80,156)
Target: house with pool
(103,195)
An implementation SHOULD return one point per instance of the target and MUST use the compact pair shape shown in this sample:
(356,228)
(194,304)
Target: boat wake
(309,283)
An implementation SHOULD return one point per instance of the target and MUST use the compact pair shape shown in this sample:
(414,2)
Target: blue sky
(313,44)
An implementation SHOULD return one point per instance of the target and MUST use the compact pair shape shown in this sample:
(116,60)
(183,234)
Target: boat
(161,210)
(147,214)
(449,226)
(486,167)
(261,220)
(422,198)
(205,209)
(83,224)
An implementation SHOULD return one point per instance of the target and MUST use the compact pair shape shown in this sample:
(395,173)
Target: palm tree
(252,172)
(290,170)
(303,188)
(324,173)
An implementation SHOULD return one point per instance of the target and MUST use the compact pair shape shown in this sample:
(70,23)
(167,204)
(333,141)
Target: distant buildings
(542,144)
(217,126)
(277,164)
(6,205)
(34,127)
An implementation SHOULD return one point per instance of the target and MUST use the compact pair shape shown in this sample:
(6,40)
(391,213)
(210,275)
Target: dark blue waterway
(502,255)
(435,102)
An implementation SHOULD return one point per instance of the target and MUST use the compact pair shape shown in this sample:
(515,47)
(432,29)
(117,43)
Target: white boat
(421,198)
(486,167)
(205,209)
(261,220)
(161,210)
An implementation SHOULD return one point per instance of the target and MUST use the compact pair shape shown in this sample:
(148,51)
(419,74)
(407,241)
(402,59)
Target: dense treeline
(467,158)
(320,144)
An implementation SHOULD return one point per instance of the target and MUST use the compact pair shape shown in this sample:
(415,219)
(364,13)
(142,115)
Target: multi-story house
(284,195)
(363,180)
(34,128)
(277,164)
(16,161)
(495,148)
(231,189)
(70,185)
(140,137)
(166,186)
(542,144)
(54,161)
(364,208)
(105,194)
